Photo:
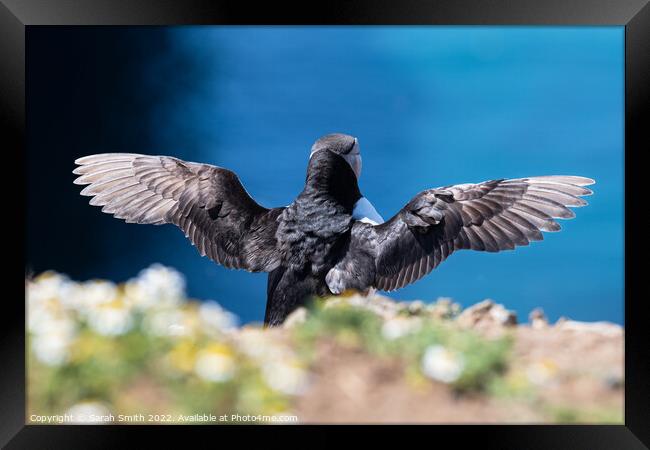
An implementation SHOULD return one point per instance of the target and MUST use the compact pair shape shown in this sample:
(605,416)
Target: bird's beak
(356,165)
(354,158)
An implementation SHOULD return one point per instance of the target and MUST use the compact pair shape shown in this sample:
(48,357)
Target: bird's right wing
(208,203)
(491,216)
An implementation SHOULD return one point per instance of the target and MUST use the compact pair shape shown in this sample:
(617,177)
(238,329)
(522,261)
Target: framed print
(376,214)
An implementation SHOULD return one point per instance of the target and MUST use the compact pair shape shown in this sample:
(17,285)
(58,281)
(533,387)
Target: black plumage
(315,246)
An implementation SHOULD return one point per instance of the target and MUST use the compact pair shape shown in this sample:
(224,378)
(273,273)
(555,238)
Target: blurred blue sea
(431,106)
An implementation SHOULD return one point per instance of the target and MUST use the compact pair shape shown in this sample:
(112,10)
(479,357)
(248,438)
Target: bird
(330,240)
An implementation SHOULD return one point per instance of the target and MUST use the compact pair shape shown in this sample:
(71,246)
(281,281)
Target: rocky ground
(564,372)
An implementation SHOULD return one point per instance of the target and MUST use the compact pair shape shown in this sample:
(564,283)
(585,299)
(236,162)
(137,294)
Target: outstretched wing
(491,216)
(207,202)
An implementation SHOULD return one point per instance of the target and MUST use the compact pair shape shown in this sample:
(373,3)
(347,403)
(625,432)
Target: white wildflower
(111,320)
(287,377)
(89,412)
(215,364)
(98,292)
(72,296)
(169,322)
(40,315)
(255,343)
(51,344)
(252,342)
(442,364)
(85,297)
(215,318)
(47,286)
(400,326)
(156,286)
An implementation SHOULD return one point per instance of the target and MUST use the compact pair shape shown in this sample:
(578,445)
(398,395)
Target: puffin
(330,239)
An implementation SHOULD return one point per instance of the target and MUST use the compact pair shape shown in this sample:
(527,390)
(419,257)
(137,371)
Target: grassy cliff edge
(141,352)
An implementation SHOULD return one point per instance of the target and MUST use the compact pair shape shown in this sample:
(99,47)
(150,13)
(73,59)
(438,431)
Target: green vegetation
(143,350)
(464,359)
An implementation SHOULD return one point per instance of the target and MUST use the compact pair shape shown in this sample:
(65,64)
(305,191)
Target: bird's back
(311,237)
(312,234)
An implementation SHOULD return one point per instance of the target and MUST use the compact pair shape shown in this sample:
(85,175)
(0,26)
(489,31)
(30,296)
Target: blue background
(431,106)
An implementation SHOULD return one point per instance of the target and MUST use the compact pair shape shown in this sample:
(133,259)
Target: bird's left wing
(491,216)
(208,203)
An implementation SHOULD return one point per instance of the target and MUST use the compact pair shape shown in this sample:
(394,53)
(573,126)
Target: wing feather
(492,216)
(160,189)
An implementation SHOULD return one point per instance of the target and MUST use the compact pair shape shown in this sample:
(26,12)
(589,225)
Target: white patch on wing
(363,211)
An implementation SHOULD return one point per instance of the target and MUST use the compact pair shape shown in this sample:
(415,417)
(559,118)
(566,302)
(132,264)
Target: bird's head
(343,145)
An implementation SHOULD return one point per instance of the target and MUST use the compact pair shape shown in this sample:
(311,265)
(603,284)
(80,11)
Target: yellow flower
(183,356)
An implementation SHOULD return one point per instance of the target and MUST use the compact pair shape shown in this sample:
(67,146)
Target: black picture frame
(16,16)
